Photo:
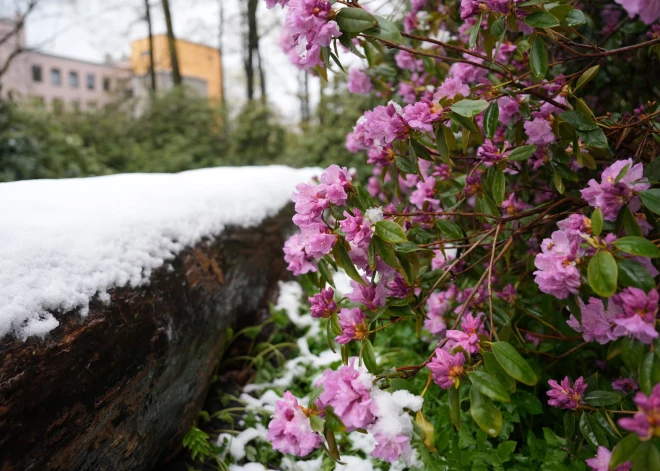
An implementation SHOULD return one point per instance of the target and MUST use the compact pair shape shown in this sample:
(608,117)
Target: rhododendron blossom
(564,396)
(646,422)
(290,431)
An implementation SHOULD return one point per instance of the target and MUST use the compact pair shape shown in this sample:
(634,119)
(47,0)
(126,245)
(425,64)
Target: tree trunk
(119,389)
(176,74)
(152,69)
(252,48)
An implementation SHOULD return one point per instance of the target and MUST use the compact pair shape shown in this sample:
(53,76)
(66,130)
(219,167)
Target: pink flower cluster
(307,28)
(446,368)
(646,422)
(323,304)
(648,10)
(609,195)
(359,82)
(565,396)
(290,430)
(315,239)
(601,462)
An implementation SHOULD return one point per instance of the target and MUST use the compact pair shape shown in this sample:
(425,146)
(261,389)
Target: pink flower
(425,191)
(390,448)
(648,10)
(337,183)
(488,152)
(500,6)
(420,116)
(348,391)
(468,339)
(310,201)
(563,396)
(357,228)
(398,288)
(610,196)
(353,325)
(597,323)
(407,61)
(298,261)
(317,239)
(323,304)
(469,8)
(271,3)
(451,87)
(407,92)
(625,385)
(557,272)
(646,422)
(371,296)
(446,368)
(359,82)
(509,109)
(539,132)
(637,314)
(290,430)
(601,462)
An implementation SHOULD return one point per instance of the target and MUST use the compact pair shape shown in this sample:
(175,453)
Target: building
(64,83)
(58,82)
(199,66)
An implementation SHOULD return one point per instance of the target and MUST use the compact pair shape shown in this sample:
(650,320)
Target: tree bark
(152,69)
(119,389)
(171,40)
(252,49)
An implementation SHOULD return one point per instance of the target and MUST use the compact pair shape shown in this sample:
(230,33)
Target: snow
(64,241)
(237,443)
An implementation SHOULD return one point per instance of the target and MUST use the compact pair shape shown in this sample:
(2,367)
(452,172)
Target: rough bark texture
(119,389)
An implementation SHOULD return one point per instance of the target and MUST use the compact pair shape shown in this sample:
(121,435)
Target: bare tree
(14,34)
(176,73)
(251,50)
(152,69)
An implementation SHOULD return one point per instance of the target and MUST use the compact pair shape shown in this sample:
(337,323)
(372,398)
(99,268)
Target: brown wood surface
(119,389)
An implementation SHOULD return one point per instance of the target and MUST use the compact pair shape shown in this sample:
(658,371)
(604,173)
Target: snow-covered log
(114,296)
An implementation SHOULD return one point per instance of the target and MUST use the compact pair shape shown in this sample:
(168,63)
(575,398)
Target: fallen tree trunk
(118,389)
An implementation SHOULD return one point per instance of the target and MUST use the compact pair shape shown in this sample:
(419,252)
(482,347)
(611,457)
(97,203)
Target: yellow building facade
(196,61)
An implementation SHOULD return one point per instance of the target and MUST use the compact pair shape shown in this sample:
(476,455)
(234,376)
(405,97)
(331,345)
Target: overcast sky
(91,29)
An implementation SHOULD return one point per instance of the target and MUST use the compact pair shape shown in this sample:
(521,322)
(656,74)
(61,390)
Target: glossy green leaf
(624,450)
(637,246)
(630,224)
(355,20)
(632,353)
(449,228)
(463,122)
(369,356)
(542,19)
(633,273)
(587,76)
(601,398)
(593,138)
(597,222)
(406,165)
(575,18)
(649,372)
(579,120)
(385,252)
(489,386)
(484,413)
(651,199)
(646,457)
(513,363)
(592,431)
(469,108)
(390,232)
(385,30)
(522,153)
(538,57)
(602,274)
(455,408)
(491,119)
(343,260)
(498,186)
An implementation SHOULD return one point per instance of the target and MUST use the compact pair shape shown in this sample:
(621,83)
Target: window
(36,73)
(58,105)
(73,79)
(91,82)
(55,77)
(106,84)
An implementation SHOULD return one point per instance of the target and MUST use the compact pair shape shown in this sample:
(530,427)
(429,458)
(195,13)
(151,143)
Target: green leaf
(587,76)
(593,138)
(325,272)
(579,120)
(491,119)
(495,369)
(522,153)
(622,173)
(538,57)
(597,222)
(630,223)
(632,352)
(390,232)
(441,143)
(449,228)
(624,450)
(484,413)
(651,199)
(646,457)
(652,172)
(569,425)
(632,273)
(385,251)
(355,20)
(346,40)
(649,372)
(505,450)
(575,18)
(601,398)
(602,274)
(463,122)
(332,421)
(542,19)
(469,108)
(513,363)
(455,408)
(489,386)
(591,430)
(369,356)
(344,261)
(385,30)
(498,186)
(637,246)
(406,165)
(474,33)
(419,150)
